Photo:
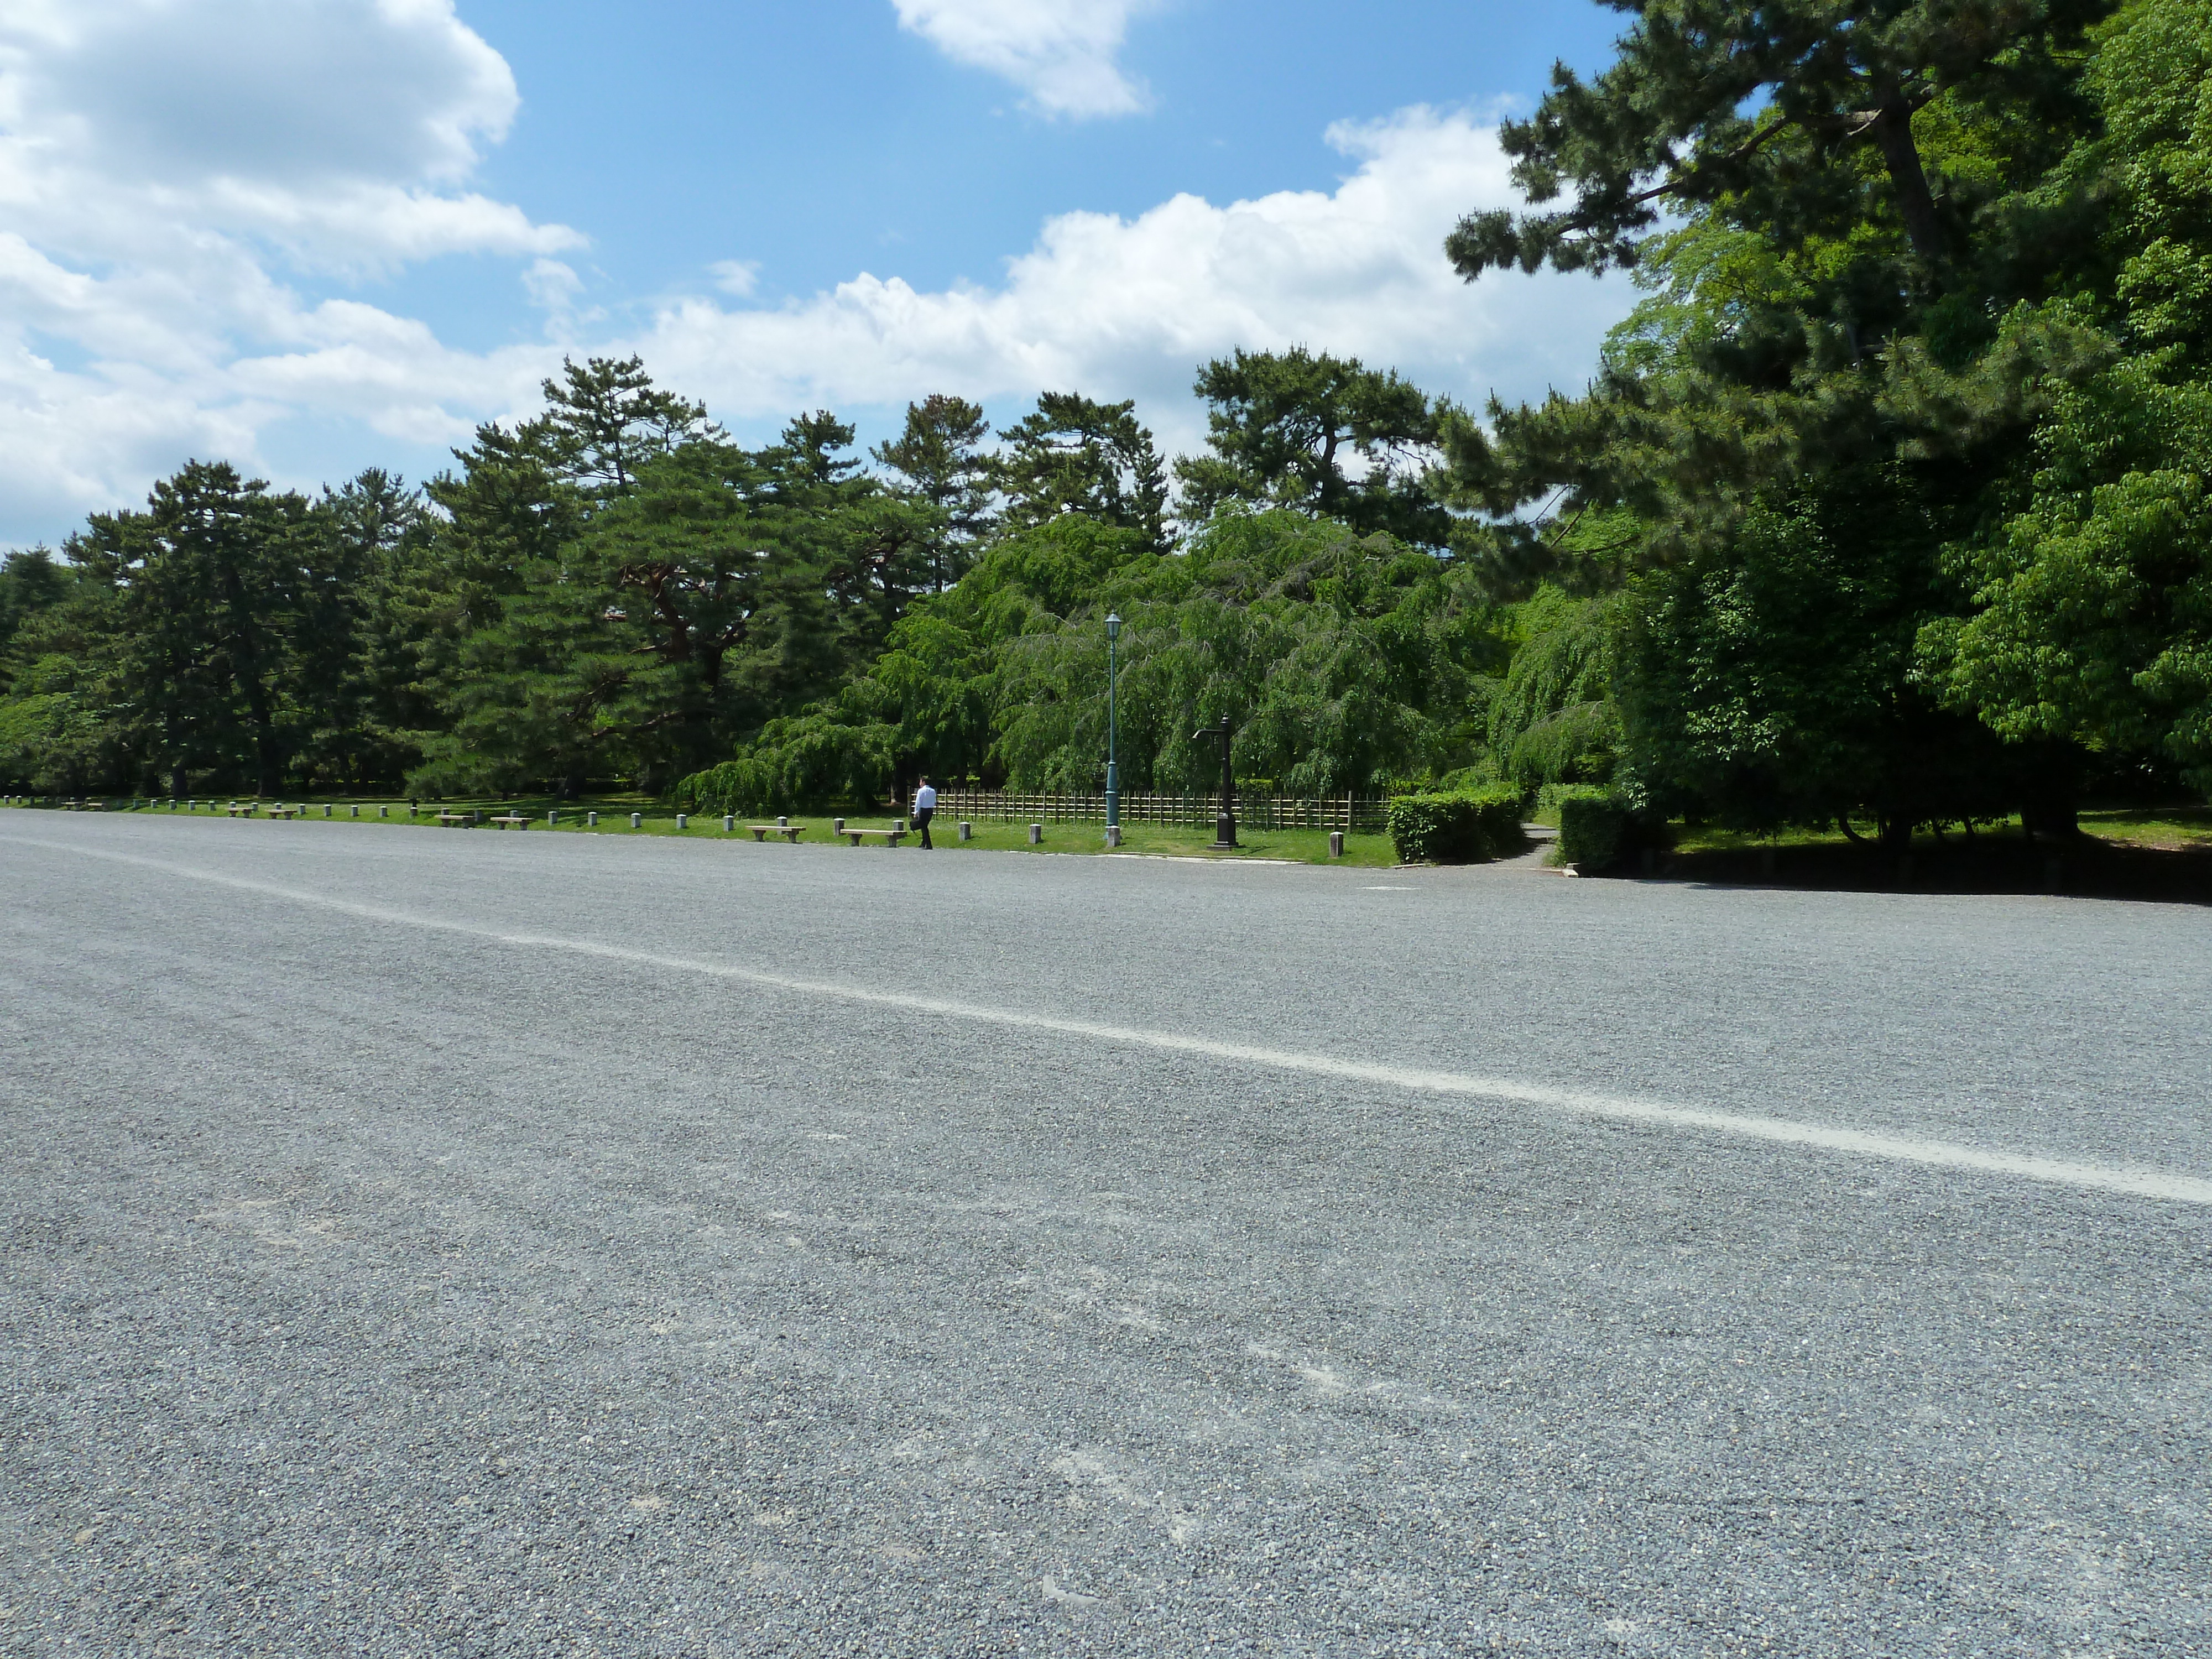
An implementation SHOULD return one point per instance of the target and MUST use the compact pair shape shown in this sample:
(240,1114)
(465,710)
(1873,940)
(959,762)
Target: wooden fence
(1354,815)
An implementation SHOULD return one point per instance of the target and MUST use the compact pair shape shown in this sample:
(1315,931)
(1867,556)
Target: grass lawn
(1292,845)
(2167,829)
(2160,854)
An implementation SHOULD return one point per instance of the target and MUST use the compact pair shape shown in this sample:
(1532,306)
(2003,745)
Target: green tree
(1772,682)
(725,588)
(351,695)
(1343,661)
(605,420)
(1803,119)
(1073,455)
(1553,719)
(31,583)
(2094,602)
(56,728)
(1283,425)
(492,629)
(938,465)
(211,600)
(1847,337)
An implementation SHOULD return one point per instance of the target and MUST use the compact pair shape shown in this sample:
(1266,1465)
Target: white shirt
(925,799)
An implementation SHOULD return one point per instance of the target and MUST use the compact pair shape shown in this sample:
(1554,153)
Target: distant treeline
(1892,502)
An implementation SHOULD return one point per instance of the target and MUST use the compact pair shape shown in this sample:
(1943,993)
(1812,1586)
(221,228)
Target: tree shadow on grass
(2082,866)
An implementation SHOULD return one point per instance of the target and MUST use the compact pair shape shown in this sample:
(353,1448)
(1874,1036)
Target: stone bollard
(354,811)
(836,826)
(899,824)
(729,823)
(553,820)
(1036,835)
(1113,835)
(1336,844)
(384,811)
(682,820)
(326,809)
(783,821)
(967,830)
(590,820)
(637,820)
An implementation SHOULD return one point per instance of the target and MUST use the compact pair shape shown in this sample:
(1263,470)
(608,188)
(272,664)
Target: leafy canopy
(1321,435)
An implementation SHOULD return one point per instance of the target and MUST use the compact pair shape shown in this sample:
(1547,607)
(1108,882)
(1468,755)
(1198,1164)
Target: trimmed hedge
(1465,826)
(1594,827)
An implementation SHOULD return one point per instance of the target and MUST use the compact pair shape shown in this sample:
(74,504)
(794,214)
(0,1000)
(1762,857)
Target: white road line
(1903,1149)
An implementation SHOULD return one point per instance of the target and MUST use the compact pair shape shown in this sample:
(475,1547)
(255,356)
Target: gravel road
(445,1243)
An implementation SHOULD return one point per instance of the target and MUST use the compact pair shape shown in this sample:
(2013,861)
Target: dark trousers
(921,819)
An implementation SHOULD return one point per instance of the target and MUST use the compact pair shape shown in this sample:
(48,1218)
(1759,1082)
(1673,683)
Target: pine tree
(1846,337)
(938,465)
(605,420)
(1073,455)
(212,599)
(1284,426)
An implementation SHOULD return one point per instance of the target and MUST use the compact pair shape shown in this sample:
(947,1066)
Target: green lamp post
(1113,694)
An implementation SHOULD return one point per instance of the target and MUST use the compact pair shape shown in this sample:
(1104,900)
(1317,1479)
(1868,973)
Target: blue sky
(314,235)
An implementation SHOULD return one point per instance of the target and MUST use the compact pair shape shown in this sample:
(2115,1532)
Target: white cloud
(738,276)
(170,170)
(196,304)
(1059,52)
(1121,308)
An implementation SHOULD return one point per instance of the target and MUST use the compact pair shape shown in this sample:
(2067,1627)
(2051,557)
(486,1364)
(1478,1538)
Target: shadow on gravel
(2083,867)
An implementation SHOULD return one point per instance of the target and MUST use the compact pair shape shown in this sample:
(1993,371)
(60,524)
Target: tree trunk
(1893,131)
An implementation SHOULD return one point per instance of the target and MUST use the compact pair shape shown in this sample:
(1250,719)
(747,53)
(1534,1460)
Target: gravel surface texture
(433,1243)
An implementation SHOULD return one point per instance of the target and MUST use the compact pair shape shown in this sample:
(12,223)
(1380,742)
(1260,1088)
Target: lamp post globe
(1113,693)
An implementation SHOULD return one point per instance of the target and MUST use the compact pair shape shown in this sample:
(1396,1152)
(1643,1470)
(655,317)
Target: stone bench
(890,838)
(790,832)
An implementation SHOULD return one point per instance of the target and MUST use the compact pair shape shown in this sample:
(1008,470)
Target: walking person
(925,808)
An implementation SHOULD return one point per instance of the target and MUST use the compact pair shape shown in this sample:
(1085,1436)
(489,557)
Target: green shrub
(1594,827)
(1463,828)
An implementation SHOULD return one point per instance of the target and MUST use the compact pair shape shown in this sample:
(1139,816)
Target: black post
(1224,824)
